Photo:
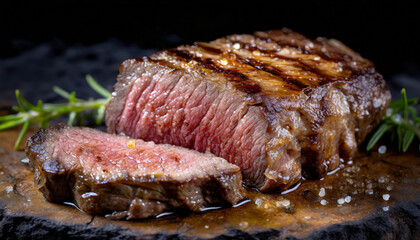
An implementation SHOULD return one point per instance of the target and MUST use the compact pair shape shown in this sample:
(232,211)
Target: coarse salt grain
(283,203)
(322,192)
(347,199)
(259,202)
(382,149)
(9,189)
(386,196)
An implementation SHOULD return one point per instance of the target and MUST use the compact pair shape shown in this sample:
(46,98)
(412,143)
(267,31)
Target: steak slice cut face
(110,174)
(279,105)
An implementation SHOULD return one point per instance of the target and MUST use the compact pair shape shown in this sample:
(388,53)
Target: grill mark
(241,81)
(323,78)
(295,84)
(208,47)
(208,64)
(253,87)
(329,56)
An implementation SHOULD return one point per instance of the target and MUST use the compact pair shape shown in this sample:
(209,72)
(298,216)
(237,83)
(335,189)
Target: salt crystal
(340,201)
(386,196)
(381,179)
(382,149)
(324,202)
(9,189)
(25,160)
(283,203)
(385,208)
(322,192)
(259,202)
(347,199)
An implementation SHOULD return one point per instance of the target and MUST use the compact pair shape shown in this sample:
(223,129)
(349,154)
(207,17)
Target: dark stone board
(361,187)
(375,197)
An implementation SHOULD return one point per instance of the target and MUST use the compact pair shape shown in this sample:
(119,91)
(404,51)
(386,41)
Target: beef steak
(110,174)
(277,104)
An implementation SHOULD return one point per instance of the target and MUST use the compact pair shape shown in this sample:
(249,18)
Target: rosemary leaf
(72,117)
(73,98)
(407,140)
(42,114)
(400,137)
(10,124)
(23,103)
(98,88)
(9,117)
(21,135)
(63,93)
(405,103)
(377,135)
(100,115)
(403,122)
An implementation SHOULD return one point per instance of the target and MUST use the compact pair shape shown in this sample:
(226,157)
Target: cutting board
(376,196)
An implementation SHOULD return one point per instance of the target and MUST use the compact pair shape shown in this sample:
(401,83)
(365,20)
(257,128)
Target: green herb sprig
(402,121)
(43,113)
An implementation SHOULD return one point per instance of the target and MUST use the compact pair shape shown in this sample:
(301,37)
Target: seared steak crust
(109,174)
(277,104)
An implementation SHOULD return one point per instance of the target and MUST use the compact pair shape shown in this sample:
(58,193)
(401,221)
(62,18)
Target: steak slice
(277,104)
(109,174)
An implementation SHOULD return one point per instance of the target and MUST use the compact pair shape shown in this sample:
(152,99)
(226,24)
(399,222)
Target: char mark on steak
(275,103)
(110,174)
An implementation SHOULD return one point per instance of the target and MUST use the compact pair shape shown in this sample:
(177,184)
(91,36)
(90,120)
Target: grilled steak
(110,174)
(277,104)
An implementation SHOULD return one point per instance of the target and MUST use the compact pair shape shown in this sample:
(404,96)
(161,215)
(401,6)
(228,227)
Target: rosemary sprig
(43,113)
(402,121)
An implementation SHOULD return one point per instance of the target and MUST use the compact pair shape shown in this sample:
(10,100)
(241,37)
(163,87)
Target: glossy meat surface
(109,174)
(277,104)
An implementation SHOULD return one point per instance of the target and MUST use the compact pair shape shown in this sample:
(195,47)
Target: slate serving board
(376,197)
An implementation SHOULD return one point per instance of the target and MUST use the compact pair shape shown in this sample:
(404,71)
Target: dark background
(57,44)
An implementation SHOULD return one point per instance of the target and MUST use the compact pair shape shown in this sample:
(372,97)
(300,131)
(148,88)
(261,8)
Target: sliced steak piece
(277,104)
(109,174)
